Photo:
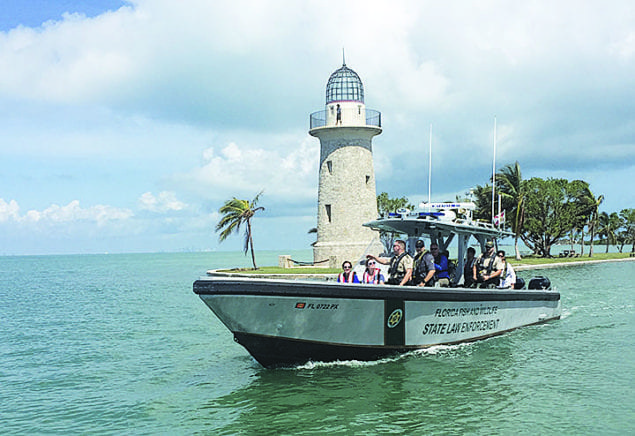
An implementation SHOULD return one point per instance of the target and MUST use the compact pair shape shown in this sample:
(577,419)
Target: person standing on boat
(442,277)
(347,275)
(400,270)
(470,260)
(372,274)
(508,277)
(488,267)
(423,266)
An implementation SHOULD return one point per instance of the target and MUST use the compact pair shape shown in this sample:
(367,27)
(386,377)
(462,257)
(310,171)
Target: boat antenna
(430,166)
(494,172)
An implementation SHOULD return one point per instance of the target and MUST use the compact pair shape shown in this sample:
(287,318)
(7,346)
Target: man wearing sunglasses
(423,268)
(400,270)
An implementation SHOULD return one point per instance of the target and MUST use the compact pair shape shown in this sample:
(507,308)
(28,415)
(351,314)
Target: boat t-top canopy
(440,225)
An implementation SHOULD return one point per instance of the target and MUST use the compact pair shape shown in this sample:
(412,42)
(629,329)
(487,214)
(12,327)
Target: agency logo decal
(395,318)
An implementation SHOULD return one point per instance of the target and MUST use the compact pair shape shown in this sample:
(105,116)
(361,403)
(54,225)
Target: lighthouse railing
(319,118)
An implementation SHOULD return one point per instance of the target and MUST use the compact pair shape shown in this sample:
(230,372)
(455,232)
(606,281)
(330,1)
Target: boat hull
(286,322)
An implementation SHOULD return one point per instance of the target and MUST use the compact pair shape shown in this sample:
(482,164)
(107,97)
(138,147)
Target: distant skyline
(126,124)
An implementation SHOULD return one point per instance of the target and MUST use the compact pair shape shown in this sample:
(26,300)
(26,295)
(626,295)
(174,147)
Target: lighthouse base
(337,252)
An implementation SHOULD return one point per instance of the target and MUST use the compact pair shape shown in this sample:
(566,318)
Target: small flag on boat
(499,219)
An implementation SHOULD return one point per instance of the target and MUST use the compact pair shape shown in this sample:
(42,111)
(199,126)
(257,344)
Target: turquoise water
(119,344)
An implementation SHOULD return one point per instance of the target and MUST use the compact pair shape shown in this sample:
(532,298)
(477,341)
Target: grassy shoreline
(527,263)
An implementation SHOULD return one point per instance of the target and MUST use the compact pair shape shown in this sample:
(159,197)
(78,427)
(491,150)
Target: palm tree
(592,204)
(509,181)
(483,200)
(235,213)
(609,224)
(628,220)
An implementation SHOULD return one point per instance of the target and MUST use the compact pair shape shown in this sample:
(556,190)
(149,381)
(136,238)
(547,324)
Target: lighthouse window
(329,165)
(344,85)
(328,212)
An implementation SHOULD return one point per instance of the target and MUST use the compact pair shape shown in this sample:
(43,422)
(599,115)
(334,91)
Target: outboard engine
(520,283)
(539,283)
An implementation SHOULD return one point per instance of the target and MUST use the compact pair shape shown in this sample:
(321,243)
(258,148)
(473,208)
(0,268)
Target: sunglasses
(347,267)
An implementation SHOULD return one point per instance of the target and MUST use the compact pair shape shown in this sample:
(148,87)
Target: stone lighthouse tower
(346,193)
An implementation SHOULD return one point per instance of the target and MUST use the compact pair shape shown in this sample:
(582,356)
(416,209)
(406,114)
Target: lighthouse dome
(344,85)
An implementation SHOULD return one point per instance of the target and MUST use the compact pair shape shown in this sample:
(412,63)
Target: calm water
(119,344)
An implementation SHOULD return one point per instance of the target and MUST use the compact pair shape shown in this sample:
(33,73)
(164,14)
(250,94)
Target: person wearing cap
(488,268)
(423,266)
(400,270)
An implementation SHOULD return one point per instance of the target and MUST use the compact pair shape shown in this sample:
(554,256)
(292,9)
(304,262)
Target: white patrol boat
(286,322)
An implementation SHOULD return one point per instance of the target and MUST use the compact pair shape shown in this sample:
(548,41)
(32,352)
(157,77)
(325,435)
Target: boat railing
(436,216)
(350,117)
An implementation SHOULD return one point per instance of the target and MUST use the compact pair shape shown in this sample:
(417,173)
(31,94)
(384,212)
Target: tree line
(541,213)
(544,212)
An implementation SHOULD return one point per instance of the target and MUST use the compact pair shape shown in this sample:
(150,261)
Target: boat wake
(433,350)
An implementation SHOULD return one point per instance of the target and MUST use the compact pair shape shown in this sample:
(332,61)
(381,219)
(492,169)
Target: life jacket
(437,274)
(395,277)
(481,269)
(343,279)
(420,268)
(452,270)
(394,265)
(374,278)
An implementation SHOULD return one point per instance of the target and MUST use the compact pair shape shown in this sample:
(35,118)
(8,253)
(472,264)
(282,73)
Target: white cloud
(56,214)
(237,170)
(9,211)
(102,109)
(624,47)
(165,201)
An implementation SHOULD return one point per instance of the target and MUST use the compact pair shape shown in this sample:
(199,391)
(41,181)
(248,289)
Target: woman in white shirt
(508,277)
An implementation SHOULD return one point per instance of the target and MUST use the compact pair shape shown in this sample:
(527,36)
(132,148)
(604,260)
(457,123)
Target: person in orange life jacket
(400,271)
(441,266)
(347,275)
(372,274)
(423,267)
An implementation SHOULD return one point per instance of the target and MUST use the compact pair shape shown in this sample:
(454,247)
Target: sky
(126,124)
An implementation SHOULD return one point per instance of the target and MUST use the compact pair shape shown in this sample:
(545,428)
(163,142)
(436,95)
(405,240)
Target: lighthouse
(346,193)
